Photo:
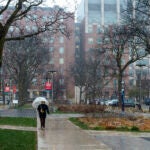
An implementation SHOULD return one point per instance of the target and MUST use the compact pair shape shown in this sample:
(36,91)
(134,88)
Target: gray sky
(70,4)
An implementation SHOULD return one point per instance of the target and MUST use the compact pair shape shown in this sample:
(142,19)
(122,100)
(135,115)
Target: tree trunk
(1,49)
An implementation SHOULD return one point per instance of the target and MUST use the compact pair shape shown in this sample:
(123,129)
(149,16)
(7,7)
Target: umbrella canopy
(38,101)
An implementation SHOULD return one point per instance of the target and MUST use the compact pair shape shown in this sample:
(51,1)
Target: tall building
(94,16)
(61,52)
(100,12)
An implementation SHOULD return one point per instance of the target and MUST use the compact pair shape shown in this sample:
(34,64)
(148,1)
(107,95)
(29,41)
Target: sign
(7,89)
(15,101)
(48,86)
(14,89)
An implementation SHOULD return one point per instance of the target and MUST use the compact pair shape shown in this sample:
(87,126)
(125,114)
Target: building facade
(61,52)
(94,16)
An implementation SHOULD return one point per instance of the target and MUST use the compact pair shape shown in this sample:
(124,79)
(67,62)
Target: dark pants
(42,120)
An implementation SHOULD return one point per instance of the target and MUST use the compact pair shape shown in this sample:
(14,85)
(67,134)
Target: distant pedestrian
(139,107)
(43,110)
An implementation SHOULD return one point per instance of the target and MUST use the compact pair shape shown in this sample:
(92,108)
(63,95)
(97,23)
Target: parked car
(101,102)
(95,101)
(113,102)
(129,103)
(147,101)
(1,101)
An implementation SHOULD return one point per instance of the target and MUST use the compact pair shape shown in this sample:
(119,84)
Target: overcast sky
(70,4)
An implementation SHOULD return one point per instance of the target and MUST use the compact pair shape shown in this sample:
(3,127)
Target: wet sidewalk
(61,134)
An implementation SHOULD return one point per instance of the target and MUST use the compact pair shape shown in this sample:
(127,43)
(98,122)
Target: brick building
(94,16)
(61,53)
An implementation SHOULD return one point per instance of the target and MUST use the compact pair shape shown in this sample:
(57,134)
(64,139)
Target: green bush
(122,128)
(134,128)
(98,128)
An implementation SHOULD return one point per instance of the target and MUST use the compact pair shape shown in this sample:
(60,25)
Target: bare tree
(16,14)
(126,49)
(79,74)
(137,17)
(23,62)
(99,68)
(93,73)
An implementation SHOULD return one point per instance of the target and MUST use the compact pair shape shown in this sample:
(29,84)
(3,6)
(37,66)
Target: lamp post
(52,78)
(122,94)
(140,84)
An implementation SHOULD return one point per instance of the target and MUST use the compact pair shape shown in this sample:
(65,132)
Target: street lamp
(140,65)
(122,94)
(52,79)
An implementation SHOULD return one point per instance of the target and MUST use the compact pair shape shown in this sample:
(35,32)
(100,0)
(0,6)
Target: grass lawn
(17,140)
(18,121)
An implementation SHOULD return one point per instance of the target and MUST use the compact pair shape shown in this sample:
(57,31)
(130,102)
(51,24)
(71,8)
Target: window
(51,40)
(34,81)
(61,81)
(131,82)
(1,17)
(90,40)
(99,40)
(28,28)
(61,61)
(131,73)
(51,49)
(77,39)
(110,11)
(90,29)
(34,16)
(61,39)
(44,18)
(61,50)
(44,40)
(17,30)
(122,62)
(94,7)
(34,28)
(61,18)
(51,61)
(11,29)
(61,71)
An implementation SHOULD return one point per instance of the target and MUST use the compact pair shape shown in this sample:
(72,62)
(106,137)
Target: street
(123,140)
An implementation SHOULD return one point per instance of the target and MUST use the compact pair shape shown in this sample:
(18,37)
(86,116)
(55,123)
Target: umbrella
(38,101)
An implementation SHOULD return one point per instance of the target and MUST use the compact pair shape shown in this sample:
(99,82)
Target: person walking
(42,110)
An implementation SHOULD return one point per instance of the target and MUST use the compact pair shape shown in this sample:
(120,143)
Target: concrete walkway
(18,128)
(61,134)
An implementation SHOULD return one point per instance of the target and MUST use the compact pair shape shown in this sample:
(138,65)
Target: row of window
(61,61)
(52,40)
(91,40)
(61,50)
(27,28)
(35,82)
(44,18)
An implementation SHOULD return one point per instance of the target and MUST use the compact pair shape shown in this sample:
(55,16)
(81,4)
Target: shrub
(81,108)
(134,128)
(110,127)
(98,128)
(122,128)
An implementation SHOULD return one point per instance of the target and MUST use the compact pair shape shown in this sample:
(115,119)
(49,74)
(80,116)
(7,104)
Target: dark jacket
(43,109)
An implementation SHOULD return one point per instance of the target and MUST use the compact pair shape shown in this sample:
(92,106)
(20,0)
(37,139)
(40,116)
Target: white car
(111,102)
